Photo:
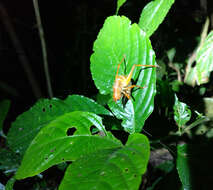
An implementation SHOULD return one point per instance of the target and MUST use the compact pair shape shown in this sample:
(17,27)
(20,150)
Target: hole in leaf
(126,169)
(135,175)
(94,130)
(46,158)
(43,109)
(71,131)
(62,159)
(53,150)
(50,106)
(193,64)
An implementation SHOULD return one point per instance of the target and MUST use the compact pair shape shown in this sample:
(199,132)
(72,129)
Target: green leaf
(119,4)
(54,145)
(153,14)
(116,39)
(125,113)
(182,113)
(28,124)
(81,103)
(171,54)
(4,108)
(118,168)
(204,60)
(183,167)
(10,183)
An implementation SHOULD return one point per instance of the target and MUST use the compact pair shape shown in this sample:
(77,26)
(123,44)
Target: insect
(122,85)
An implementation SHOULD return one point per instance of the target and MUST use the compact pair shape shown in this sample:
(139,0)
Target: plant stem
(43,46)
(20,51)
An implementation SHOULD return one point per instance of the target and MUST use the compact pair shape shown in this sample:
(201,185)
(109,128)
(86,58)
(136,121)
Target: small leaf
(119,4)
(10,183)
(153,14)
(171,54)
(116,39)
(28,124)
(54,145)
(183,167)
(4,108)
(118,168)
(182,113)
(204,60)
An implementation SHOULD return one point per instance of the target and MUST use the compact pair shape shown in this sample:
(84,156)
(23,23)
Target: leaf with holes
(116,39)
(53,145)
(153,14)
(28,124)
(204,60)
(117,168)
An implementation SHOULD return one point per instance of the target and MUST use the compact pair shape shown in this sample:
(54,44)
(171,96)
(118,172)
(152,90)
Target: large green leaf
(116,39)
(28,124)
(204,60)
(81,103)
(4,108)
(117,168)
(153,14)
(54,145)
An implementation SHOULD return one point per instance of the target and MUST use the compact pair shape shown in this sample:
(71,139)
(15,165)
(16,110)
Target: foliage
(182,113)
(116,39)
(153,14)
(97,144)
(204,60)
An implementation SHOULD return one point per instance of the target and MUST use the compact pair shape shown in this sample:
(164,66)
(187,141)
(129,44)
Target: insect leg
(132,86)
(119,67)
(132,69)
(127,95)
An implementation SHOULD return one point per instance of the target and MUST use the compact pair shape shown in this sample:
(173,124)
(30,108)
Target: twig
(43,46)
(20,51)
(171,65)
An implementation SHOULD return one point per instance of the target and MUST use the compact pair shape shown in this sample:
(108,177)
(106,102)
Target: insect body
(122,85)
